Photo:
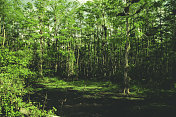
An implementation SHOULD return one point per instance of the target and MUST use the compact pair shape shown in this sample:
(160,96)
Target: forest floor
(101,99)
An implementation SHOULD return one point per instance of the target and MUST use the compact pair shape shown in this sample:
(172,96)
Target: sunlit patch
(84,1)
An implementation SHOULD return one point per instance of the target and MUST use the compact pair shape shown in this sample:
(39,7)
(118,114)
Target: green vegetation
(91,59)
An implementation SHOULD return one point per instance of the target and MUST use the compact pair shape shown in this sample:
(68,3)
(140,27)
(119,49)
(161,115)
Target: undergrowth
(13,79)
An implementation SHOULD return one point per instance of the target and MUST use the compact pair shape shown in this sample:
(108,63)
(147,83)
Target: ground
(100,99)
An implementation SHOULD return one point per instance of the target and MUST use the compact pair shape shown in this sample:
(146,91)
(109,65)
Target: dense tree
(124,41)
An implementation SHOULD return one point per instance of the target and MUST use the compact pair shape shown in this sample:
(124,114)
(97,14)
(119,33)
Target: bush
(14,72)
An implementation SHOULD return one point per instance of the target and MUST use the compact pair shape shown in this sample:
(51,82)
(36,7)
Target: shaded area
(81,103)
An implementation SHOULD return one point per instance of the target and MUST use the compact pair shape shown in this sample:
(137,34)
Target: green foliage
(85,41)
(14,73)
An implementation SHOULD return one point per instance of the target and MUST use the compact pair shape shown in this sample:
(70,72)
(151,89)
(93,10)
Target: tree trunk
(56,42)
(4,33)
(41,52)
(41,58)
(0,25)
(126,67)
(4,39)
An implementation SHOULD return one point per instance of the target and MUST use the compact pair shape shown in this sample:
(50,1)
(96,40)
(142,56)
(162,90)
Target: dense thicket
(124,41)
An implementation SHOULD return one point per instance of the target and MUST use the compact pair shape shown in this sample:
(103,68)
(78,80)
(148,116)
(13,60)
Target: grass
(91,98)
(91,89)
(79,85)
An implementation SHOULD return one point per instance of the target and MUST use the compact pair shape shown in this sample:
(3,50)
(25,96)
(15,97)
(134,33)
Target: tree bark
(55,34)
(41,57)
(126,67)
(0,25)
(41,51)
(3,43)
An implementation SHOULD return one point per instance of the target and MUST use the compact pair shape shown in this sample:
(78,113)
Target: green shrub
(14,73)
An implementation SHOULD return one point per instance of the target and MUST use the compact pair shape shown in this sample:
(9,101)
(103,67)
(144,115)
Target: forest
(98,58)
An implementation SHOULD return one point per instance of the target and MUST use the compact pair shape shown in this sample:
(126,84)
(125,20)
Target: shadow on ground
(73,103)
